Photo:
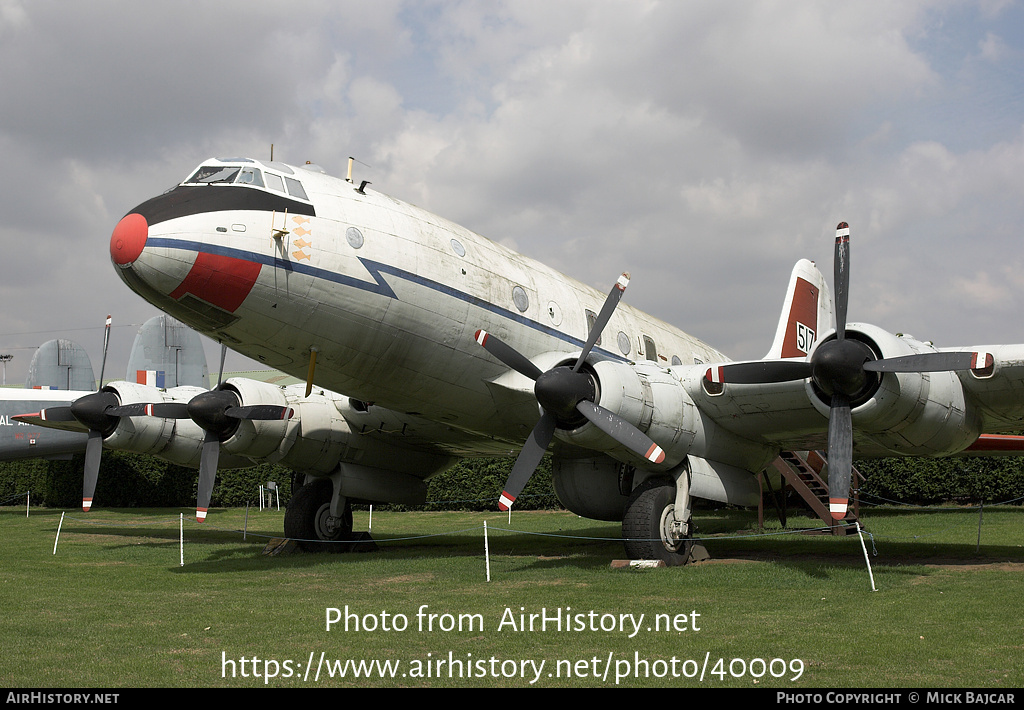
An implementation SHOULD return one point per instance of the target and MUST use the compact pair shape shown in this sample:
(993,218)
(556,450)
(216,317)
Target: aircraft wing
(998,390)
(966,411)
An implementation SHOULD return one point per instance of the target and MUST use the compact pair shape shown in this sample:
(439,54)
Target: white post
(487,553)
(868,561)
(181,539)
(28,500)
(369,528)
(58,532)
(981,513)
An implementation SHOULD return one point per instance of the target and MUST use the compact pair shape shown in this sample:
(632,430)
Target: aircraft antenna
(352,161)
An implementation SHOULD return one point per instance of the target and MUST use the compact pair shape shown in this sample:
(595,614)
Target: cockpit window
(274,182)
(295,188)
(250,176)
(247,175)
(209,174)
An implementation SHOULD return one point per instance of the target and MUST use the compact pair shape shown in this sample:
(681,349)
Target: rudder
(806,312)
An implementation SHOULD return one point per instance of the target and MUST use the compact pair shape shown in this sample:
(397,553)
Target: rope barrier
(154,523)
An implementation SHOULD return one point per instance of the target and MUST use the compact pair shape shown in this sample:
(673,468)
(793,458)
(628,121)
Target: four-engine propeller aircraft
(360,293)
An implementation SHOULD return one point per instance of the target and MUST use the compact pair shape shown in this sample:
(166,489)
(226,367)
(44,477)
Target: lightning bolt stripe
(377,271)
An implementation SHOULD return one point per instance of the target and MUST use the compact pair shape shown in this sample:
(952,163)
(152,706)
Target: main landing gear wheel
(650,529)
(308,519)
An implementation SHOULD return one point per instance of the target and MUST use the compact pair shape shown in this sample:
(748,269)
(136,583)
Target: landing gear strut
(308,518)
(654,527)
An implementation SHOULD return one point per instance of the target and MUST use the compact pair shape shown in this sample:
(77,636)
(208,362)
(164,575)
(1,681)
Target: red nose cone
(128,239)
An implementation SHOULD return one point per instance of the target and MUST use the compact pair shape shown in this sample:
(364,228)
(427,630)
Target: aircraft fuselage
(388,295)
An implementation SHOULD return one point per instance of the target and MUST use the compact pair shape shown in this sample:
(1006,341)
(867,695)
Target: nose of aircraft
(128,239)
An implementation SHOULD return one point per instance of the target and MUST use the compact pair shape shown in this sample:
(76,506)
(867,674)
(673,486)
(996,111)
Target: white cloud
(704,146)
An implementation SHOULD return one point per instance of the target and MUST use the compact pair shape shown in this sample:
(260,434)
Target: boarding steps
(802,471)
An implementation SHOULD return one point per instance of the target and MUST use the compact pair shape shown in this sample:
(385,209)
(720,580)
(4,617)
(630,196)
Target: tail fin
(61,365)
(167,354)
(806,312)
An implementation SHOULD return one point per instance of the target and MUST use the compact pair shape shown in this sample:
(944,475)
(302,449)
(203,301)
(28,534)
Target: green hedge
(954,480)
(135,481)
(475,484)
(131,481)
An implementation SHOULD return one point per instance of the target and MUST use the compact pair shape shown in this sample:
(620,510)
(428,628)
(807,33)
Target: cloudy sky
(704,146)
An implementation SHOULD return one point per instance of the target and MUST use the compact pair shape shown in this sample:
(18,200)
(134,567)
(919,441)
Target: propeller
(98,413)
(218,412)
(842,369)
(565,395)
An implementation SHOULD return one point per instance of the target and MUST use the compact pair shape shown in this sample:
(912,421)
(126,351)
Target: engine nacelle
(179,441)
(913,413)
(317,435)
(649,398)
(596,488)
(256,438)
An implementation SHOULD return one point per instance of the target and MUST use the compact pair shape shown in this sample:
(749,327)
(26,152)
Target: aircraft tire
(648,511)
(305,518)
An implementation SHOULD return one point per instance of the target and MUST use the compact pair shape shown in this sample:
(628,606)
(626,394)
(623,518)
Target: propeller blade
(507,354)
(622,431)
(163,410)
(220,372)
(207,473)
(925,362)
(840,455)
(841,276)
(529,458)
(260,412)
(53,418)
(763,372)
(93,452)
(614,296)
(57,414)
(106,342)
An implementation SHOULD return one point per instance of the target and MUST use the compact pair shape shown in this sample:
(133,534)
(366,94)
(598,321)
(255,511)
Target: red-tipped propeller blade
(529,458)
(562,392)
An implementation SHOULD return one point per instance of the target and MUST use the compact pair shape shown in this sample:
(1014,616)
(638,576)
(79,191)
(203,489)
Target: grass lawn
(115,608)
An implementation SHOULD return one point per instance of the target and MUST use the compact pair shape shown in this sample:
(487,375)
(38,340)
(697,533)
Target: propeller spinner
(564,393)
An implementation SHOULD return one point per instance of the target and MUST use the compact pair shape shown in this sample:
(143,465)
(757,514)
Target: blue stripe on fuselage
(378,286)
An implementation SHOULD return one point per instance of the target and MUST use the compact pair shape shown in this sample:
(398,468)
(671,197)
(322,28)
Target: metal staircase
(802,472)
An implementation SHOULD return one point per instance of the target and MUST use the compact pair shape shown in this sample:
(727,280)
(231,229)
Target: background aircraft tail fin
(61,365)
(166,354)
(806,312)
